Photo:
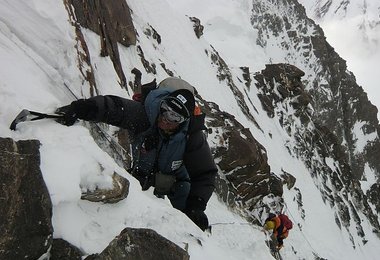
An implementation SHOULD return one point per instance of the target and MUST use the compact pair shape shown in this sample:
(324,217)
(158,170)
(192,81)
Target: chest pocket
(170,155)
(170,161)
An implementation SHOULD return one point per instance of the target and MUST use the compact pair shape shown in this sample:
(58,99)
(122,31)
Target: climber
(280,226)
(169,149)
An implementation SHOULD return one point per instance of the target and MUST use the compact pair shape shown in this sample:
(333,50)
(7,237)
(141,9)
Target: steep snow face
(353,29)
(71,161)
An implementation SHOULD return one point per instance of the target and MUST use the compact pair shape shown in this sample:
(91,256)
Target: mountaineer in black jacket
(170,150)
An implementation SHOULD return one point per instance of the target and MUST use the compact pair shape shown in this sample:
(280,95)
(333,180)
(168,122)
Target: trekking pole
(25,115)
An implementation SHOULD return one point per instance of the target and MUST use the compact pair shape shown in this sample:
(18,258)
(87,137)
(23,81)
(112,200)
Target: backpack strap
(140,96)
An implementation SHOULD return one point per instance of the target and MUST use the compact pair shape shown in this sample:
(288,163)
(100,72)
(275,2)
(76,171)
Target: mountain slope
(353,29)
(269,33)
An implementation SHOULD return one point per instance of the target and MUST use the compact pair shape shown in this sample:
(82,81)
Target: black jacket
(131,115)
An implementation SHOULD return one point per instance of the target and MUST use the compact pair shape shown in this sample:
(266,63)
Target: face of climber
(168,119)
(165,125)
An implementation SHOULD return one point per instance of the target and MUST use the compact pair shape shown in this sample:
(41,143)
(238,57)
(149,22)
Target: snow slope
(38,66)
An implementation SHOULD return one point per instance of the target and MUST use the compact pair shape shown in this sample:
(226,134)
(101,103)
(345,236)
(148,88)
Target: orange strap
(197,110)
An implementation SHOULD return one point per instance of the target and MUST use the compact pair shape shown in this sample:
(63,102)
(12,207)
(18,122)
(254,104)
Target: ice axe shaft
(26,115)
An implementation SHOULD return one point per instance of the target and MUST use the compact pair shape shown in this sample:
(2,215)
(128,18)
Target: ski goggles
(170,115)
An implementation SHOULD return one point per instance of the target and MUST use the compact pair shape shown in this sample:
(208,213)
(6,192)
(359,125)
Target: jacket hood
(152,107)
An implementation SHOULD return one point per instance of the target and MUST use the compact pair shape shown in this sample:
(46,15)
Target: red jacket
(280,230)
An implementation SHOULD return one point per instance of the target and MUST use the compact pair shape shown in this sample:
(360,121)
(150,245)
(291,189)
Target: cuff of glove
(85,109)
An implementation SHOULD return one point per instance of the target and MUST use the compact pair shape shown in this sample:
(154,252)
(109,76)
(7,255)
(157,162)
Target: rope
(307,241)
(274,252)
(237,223)
(106,135)
(268,240)
(115,144)
(230,223)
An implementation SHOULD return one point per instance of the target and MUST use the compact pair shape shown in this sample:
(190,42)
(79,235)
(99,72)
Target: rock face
(284,79)
(285,99)
(25,207)
(339,103)
(245,177)
(63,250)
(339,124)
(346,110)
(141,244)
(112,21)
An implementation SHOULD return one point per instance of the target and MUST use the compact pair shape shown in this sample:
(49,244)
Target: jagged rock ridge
(338,107)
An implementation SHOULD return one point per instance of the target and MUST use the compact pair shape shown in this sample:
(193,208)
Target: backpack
(286,221)
(144,90)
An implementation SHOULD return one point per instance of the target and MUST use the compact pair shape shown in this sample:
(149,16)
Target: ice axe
(27,115)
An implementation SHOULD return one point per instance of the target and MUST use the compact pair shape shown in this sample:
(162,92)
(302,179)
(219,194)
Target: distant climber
(169,149)
(280,226)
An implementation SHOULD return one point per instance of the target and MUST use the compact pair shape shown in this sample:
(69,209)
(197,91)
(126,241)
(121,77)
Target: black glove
(195,208)
(68,113)
(146,181)
(198,217)
(85,109)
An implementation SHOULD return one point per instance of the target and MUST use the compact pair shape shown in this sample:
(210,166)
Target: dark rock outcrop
(25,206)
(278,82)
(198,27)
(63,250)
(84,60)
(112,21)
(141,244)
(245,177)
